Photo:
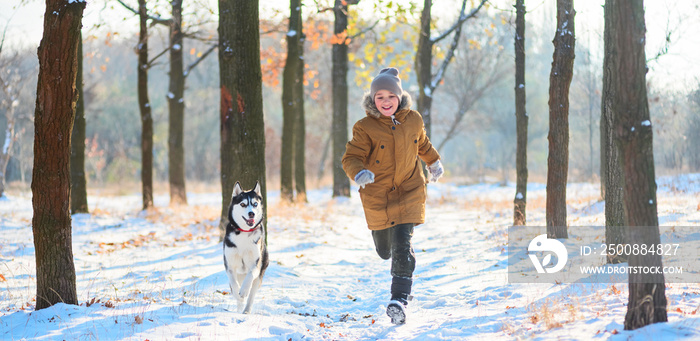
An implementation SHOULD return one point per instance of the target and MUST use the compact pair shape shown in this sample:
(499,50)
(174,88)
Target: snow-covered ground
(160,275)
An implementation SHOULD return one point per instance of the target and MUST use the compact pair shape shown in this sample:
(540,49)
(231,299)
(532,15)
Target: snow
(564,30)
(521,86)
(291,33)
(159,275)
(646,123)
(177,47)
(171,95)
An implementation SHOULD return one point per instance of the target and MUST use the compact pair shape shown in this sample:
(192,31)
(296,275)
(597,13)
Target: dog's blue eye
(255,204)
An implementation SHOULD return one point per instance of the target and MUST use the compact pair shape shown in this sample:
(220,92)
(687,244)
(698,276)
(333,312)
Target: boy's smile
(387,102)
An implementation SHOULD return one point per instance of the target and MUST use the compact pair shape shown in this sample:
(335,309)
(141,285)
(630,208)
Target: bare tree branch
(460,21)
(472,86)
(200,59)
(667,44)
(274,30)
(195,36)
(156,20)
(2,42)
(320,9)
(276,27)
(150,62)
(4,31)
(365,30)
(464,107)
(450,53)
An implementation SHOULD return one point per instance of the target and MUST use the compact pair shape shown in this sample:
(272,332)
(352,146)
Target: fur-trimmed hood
(371,108)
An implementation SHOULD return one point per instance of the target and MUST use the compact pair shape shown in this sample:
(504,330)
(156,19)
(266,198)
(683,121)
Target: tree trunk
(300,124)
(324,157)
(290,106)
(176,106)
(591,126)
(633,134)
(8,142)
(242,124)
(145,110)
(612,181)
(604,144)
(78,194)
(521,119)
(559,83)
(53,121)
(341,183)
(615,217)
(423,64)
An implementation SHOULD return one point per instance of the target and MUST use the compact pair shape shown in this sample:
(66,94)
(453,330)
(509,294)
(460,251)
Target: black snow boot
(400,293)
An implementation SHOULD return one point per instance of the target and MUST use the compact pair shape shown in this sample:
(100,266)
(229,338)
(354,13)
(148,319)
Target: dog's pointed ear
(237,189)
(257,189)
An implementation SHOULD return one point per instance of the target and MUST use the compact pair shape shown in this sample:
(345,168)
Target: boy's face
(387,102)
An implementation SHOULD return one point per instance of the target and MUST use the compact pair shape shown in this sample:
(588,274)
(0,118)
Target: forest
(169,104)
(482,145)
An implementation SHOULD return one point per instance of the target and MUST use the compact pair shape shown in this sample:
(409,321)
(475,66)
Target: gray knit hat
(388,79)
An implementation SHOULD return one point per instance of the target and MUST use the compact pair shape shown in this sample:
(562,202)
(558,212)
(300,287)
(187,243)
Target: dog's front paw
(243,293)
(240,302)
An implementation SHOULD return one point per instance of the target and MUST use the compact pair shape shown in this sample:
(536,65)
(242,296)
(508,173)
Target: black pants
(395,243)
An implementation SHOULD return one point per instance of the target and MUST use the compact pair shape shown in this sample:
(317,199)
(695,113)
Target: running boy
(382,158)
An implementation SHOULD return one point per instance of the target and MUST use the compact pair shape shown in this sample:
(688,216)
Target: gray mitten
(435,170)
(364,177)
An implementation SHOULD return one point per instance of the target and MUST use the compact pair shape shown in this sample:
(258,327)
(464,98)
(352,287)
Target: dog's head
(246,209)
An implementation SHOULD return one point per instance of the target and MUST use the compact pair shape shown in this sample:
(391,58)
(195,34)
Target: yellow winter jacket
(391,152)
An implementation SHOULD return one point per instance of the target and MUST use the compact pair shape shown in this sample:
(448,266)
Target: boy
(382,158)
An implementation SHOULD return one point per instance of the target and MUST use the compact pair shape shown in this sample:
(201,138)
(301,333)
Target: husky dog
(245,253)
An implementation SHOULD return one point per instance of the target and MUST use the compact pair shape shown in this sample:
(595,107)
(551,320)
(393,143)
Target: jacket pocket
(374,204)
(413,194)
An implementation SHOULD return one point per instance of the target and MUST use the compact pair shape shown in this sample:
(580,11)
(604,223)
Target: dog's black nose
(251,214)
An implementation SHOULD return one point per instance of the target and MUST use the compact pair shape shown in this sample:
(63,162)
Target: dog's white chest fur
(245,255)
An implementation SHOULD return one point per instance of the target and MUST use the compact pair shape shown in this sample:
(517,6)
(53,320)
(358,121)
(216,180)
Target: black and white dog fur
(245,253)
